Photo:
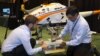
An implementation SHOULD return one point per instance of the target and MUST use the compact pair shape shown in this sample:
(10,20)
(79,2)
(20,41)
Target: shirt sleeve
(79,35)
(64,31)
(25,40)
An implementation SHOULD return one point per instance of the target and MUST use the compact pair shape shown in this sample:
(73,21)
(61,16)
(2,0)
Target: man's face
(72,17)
(33,26)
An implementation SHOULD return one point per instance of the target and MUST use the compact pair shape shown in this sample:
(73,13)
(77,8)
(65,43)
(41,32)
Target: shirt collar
(25,27)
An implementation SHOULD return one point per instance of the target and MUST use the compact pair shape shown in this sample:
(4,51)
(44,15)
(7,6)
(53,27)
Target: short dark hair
(30,19)
(48,1)
(72,10)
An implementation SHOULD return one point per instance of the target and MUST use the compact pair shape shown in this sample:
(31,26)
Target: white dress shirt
(20,35)
(79,34)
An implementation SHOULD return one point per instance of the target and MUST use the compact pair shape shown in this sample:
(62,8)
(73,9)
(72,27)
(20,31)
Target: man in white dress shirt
(78,28)
(20,42)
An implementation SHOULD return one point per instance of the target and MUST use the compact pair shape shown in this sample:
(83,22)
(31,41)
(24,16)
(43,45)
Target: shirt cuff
(67,43)
(37,42)
(40,48)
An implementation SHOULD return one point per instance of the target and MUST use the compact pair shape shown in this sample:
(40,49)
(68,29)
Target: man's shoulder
(19,30)
(83,21)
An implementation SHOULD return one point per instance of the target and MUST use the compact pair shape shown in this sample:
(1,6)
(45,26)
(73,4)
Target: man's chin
(72,20)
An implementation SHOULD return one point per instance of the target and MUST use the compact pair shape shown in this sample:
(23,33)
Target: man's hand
(44,46)
(58,38)
(61,42)
(40,42)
